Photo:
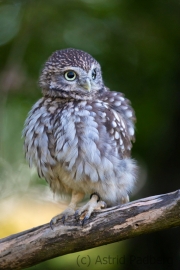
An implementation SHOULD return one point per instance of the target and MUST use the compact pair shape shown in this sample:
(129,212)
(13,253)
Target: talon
(63,216)
(85,219)
(51,224)
(63,219)
(77,215)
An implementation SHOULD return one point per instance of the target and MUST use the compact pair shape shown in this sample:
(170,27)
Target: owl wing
(121,120)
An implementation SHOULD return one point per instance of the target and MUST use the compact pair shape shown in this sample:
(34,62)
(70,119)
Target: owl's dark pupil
(94,74)
(70,74)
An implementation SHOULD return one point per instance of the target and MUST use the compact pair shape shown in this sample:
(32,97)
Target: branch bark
(110,225)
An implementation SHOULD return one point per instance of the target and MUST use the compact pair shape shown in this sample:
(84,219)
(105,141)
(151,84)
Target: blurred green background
(138,46)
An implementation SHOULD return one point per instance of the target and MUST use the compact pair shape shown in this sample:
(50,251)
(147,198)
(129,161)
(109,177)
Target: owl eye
(70,75)
(94,74)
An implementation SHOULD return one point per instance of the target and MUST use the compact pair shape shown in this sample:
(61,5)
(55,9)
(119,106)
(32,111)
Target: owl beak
(87,84)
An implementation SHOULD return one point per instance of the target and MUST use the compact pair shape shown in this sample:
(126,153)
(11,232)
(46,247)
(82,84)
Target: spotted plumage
(79,134)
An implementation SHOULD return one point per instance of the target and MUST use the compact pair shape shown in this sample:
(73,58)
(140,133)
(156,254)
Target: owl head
(71,72)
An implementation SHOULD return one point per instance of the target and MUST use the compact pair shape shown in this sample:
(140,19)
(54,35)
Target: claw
(63,216)
(85,219)
(51,224)
(77,215)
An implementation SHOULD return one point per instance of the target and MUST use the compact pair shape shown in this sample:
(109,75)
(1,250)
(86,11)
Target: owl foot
(84,212)
(63,216)
(76,197)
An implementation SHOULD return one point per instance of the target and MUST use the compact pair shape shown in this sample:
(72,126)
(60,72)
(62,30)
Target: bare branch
(114,224)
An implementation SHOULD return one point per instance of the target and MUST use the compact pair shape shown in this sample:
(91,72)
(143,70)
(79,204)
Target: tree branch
(114,224)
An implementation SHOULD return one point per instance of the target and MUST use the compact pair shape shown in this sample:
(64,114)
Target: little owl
(78,135)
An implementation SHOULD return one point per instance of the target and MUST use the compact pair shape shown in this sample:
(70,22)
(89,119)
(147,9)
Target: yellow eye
(70,75)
